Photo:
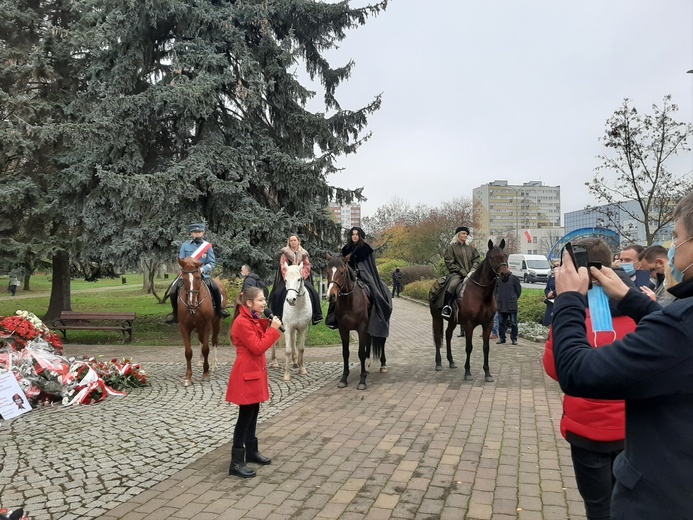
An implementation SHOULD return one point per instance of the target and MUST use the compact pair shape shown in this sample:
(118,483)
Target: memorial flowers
(32,353)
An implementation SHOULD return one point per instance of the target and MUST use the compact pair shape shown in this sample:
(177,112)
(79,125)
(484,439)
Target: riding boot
(253,455)
(238,467)
(173,295)
(446,313)
(331,319)
(315,303)
(216,296)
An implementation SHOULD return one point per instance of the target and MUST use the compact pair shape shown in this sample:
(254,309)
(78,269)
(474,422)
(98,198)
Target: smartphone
(578,254)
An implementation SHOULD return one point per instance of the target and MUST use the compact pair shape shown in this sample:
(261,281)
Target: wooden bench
(70,320)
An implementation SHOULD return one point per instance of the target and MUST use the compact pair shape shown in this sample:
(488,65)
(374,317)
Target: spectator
(654,259)
(14,283)
(649,368)
(629,259)
(595,429)
(550,293)
(396,282)
(250,279)
(507,294)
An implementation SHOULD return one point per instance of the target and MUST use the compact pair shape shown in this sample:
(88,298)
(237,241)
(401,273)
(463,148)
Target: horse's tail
(378,346)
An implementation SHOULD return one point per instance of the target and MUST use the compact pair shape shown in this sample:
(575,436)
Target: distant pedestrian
(250,279)
(507,295)
(14,283)
(252,336)
(396,282)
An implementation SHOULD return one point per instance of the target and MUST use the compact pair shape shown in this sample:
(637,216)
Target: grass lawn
(149,328)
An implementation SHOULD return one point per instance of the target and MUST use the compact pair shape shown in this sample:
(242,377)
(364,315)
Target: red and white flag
(529,236)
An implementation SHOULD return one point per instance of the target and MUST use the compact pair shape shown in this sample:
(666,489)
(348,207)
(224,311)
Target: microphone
(268,314)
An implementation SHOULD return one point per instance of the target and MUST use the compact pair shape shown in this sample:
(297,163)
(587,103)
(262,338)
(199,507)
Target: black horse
(351,310)
(476,306)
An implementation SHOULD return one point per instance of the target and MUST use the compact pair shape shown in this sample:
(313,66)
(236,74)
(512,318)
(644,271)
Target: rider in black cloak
(363,263)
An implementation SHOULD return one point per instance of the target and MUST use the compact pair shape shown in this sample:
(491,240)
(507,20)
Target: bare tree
(636,170)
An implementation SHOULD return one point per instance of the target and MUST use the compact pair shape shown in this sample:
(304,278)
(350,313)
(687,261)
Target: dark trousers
(314,301)
(595,480)
(246,424)
(396,289)
(504,317)
(13,289)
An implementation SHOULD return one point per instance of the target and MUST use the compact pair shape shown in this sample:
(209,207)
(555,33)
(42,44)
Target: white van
(529,268)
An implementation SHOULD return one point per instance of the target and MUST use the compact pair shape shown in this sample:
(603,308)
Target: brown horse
(196,311)
(476,306)
(351,310)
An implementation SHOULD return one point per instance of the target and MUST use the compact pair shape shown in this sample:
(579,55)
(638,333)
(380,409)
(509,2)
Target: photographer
(649,368)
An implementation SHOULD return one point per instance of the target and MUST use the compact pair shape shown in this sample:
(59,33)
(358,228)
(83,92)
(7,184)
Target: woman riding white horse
(296,317)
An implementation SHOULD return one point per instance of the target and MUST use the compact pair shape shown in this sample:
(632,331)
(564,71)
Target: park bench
(71,320)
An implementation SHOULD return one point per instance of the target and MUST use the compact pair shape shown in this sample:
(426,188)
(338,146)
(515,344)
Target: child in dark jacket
(248,382)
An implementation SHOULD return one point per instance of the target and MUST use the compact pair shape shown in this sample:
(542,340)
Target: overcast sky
(475,91)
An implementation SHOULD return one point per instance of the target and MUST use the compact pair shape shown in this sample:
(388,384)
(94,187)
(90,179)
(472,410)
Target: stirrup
(446,312)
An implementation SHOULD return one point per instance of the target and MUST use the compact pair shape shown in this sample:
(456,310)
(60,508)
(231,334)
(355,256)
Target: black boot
(216,297)
(173,296)
(238,467)
(253,455)
(331,320)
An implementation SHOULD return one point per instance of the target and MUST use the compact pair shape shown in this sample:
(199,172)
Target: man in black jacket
(651,368)
(507,295)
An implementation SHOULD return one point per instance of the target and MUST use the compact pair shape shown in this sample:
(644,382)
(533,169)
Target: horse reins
(193,308)
(339,286)
(495,271)
(298,292)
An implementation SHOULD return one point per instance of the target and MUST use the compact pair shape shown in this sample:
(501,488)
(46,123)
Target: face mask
(600,314)
(675,273)
(628,268)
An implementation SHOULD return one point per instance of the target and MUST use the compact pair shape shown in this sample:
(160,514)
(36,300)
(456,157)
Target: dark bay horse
(351,310)
(196,311)
(477,306)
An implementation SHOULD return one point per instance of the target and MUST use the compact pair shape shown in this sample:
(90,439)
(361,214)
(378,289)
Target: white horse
(296,318)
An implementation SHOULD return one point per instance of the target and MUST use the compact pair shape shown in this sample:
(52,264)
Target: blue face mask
(628,268)
(675,273)
(600,314)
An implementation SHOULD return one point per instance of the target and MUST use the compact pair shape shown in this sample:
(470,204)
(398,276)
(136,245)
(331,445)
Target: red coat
(248,382)
(595,419)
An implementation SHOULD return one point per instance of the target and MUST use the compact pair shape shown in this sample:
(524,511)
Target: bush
(418,290)
(386,266)
(417,272)
(531,306)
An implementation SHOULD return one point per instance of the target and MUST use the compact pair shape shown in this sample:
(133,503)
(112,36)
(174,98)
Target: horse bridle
(193,308)
(495,271)
(301,287)
(339,286)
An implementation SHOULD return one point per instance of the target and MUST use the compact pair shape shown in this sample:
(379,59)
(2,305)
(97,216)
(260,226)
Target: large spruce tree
(189,110)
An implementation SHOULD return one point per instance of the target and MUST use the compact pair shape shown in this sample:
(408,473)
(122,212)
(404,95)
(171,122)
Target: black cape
(363,263)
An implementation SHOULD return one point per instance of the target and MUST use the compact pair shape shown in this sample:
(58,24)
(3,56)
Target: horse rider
(461,259)
(202,251)
(363,264)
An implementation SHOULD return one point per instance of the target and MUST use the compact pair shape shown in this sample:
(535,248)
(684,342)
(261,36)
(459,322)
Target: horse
(196,311)
(476,306)
(351,305)
(296,318)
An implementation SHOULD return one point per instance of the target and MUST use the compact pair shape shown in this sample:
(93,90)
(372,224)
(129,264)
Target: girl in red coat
(248,383)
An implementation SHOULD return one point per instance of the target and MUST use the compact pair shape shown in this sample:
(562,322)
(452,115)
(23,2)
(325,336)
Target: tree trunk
(60,287)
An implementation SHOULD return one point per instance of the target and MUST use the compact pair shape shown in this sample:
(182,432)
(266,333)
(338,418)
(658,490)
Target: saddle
(436,294)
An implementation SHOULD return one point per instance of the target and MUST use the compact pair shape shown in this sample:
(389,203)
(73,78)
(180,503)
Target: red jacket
(248,382)
(595,419)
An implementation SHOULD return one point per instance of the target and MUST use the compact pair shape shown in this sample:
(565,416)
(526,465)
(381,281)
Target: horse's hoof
(206,378)
(303,372)
(187,382)
(362,386)
(452,365)
(341,384)
(295,365)
(439,368)
(468,377)
(488,379)
(287,377)
(383,370)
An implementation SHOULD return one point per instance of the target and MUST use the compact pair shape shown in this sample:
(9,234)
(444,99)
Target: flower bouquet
(32,353)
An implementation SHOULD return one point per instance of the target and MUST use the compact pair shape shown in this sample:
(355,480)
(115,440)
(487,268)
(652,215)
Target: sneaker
(446,312)
(514,342)
(494,336)
(500,342)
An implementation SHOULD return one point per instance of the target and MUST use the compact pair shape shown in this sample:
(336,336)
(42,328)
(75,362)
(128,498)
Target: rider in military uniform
(461,259)
(202,251)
